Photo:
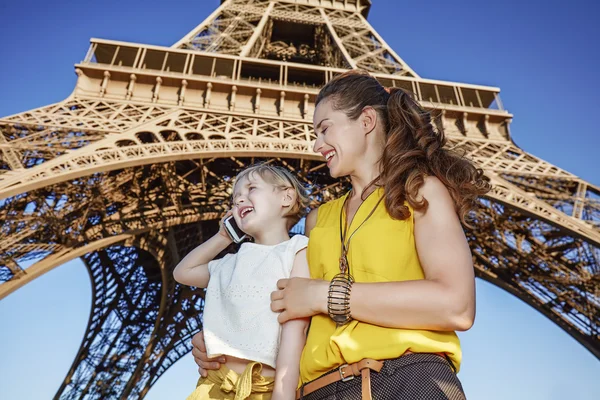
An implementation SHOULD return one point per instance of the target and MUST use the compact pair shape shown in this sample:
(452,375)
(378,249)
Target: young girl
(238,321)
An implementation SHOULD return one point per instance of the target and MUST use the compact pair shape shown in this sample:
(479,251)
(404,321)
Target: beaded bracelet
(338,299)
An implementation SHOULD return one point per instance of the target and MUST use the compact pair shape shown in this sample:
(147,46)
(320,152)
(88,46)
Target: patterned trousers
(410,377)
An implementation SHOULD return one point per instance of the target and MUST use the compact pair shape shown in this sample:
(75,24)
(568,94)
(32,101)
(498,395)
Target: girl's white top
(238,320)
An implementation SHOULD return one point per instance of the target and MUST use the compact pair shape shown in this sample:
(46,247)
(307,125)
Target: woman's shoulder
(435,193)
(332,206)
(320,215)
(432,187)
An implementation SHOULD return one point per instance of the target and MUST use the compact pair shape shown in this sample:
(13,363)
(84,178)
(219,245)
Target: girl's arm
(199,349)
(293,337)
(444,300)
(193,269)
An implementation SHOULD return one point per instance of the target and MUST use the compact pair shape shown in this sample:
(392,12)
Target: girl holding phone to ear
(238,320)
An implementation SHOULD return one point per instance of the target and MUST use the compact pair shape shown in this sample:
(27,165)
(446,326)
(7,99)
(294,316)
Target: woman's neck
(363,178)
(368,168)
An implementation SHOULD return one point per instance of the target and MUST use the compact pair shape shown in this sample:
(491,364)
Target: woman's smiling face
(339,139)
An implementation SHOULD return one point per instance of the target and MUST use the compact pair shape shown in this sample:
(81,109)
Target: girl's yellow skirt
(226,384)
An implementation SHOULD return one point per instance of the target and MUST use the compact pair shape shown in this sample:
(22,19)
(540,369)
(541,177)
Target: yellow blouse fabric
(382,250)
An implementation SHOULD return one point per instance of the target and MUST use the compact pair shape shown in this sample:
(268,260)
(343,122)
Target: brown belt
(347,372)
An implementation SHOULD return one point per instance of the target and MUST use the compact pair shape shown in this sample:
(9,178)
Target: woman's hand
(201,358)
(299,298)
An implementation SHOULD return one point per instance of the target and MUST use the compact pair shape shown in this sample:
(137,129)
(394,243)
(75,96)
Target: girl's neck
(272,236)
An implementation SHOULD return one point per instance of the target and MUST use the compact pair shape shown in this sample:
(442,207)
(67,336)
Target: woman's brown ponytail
(414,148)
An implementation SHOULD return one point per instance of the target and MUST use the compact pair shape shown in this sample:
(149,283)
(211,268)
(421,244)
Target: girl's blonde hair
(282,179)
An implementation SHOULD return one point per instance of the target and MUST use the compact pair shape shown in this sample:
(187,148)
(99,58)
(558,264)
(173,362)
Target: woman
(392,273)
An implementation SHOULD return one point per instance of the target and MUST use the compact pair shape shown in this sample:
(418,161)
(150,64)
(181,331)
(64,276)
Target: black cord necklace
(344,265)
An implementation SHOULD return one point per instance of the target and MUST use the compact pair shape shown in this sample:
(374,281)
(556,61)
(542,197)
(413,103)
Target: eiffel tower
(133,169)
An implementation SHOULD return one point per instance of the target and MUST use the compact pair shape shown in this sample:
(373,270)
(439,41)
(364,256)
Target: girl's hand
(201,358)
(222,230)
(299,298)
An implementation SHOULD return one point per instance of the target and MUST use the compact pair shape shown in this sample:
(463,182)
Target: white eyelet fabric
(238,320)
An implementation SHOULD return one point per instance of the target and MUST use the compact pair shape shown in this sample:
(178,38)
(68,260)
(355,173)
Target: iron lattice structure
(131,171)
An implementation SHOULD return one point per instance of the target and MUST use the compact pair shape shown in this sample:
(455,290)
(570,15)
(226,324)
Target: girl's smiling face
(256,204)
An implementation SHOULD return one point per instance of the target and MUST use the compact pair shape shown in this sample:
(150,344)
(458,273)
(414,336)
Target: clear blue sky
(542,54)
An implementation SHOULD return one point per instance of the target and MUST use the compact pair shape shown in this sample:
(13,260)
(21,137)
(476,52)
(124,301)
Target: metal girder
(235,26)
(140,323)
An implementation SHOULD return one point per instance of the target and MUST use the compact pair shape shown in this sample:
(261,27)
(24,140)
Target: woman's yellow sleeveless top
(382,250)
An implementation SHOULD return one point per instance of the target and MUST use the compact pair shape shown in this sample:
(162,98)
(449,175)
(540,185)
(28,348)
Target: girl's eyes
(251,188)
(324,131)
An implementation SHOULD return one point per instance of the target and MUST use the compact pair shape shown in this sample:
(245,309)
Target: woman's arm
(293,337)
(444,300)
(193,269)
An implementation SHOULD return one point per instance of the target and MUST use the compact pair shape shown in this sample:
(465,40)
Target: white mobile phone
(235,233)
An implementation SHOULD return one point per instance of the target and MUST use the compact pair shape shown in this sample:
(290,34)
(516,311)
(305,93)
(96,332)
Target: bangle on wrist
(338,299)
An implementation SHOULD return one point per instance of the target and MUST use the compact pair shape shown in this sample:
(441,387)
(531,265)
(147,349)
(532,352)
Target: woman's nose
(318,144)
